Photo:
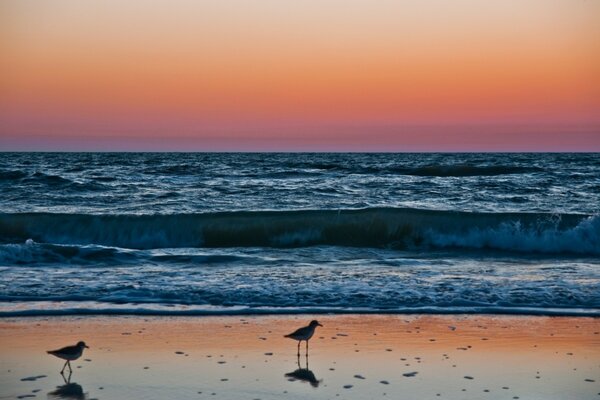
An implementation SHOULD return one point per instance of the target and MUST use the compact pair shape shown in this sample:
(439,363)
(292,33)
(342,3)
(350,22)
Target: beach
(300,200)
(350,357)
(450,276)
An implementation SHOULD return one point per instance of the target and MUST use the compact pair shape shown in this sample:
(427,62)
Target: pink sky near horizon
(330,75)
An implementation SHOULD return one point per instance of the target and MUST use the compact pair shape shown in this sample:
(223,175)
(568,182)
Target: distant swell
(466,170)
(49,181)
(439,170)
(374,227)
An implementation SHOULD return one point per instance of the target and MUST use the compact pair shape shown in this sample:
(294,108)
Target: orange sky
(310,75)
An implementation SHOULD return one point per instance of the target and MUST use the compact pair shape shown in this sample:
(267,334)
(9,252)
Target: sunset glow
(354,75)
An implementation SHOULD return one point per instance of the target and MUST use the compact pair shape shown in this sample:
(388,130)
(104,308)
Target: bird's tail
(290,335)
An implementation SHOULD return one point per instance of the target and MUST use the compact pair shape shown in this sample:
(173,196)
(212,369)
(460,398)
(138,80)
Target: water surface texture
(209,233)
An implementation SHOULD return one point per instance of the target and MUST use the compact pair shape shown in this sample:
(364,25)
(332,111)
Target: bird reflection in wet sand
(303,374)
(70,390)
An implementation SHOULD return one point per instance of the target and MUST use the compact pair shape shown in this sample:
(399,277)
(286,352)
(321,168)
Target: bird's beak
(86,346)
(319,325)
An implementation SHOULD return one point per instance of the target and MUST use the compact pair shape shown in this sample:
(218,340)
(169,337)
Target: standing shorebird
(304,333)
(69,353)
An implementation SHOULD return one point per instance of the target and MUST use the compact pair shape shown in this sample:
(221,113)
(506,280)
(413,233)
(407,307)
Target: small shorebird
(69,353)
(304,333)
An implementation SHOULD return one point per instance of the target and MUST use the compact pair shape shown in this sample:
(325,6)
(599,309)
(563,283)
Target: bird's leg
(307,348)
(67,380)
(70,370)
(299,347)
(64,366)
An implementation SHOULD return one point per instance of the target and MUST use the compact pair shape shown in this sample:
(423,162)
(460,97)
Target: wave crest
(460,170)
(373,227)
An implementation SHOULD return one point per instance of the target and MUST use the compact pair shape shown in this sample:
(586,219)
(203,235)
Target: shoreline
(92,308)
(352,356)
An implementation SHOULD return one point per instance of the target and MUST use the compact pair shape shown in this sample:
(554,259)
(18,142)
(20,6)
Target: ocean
(266,233)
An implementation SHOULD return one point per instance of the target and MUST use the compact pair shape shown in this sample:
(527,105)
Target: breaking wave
(399,228)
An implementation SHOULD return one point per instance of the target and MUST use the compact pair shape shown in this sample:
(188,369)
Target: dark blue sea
(209,233)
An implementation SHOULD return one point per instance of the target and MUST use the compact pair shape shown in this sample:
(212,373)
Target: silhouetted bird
(69,353)
(304,333)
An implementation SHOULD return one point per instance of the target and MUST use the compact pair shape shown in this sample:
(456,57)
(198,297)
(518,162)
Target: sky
(311,75)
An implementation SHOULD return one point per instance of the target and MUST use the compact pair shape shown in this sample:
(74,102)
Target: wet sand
(351,357)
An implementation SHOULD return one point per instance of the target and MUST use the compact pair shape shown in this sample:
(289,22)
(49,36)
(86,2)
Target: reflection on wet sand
(357,357)
(70,390)
(303,374)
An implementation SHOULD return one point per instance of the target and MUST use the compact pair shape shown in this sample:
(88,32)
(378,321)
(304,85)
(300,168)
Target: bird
(304,333)
(69,353)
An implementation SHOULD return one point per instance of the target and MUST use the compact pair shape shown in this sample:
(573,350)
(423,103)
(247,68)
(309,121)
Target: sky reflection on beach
(354,356)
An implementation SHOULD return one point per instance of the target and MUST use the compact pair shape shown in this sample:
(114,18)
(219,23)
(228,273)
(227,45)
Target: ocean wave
(173,169)
(372,227)
(11,175)
(461,170)
(34,253)
(31,253)
(50,181)
(433,170)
